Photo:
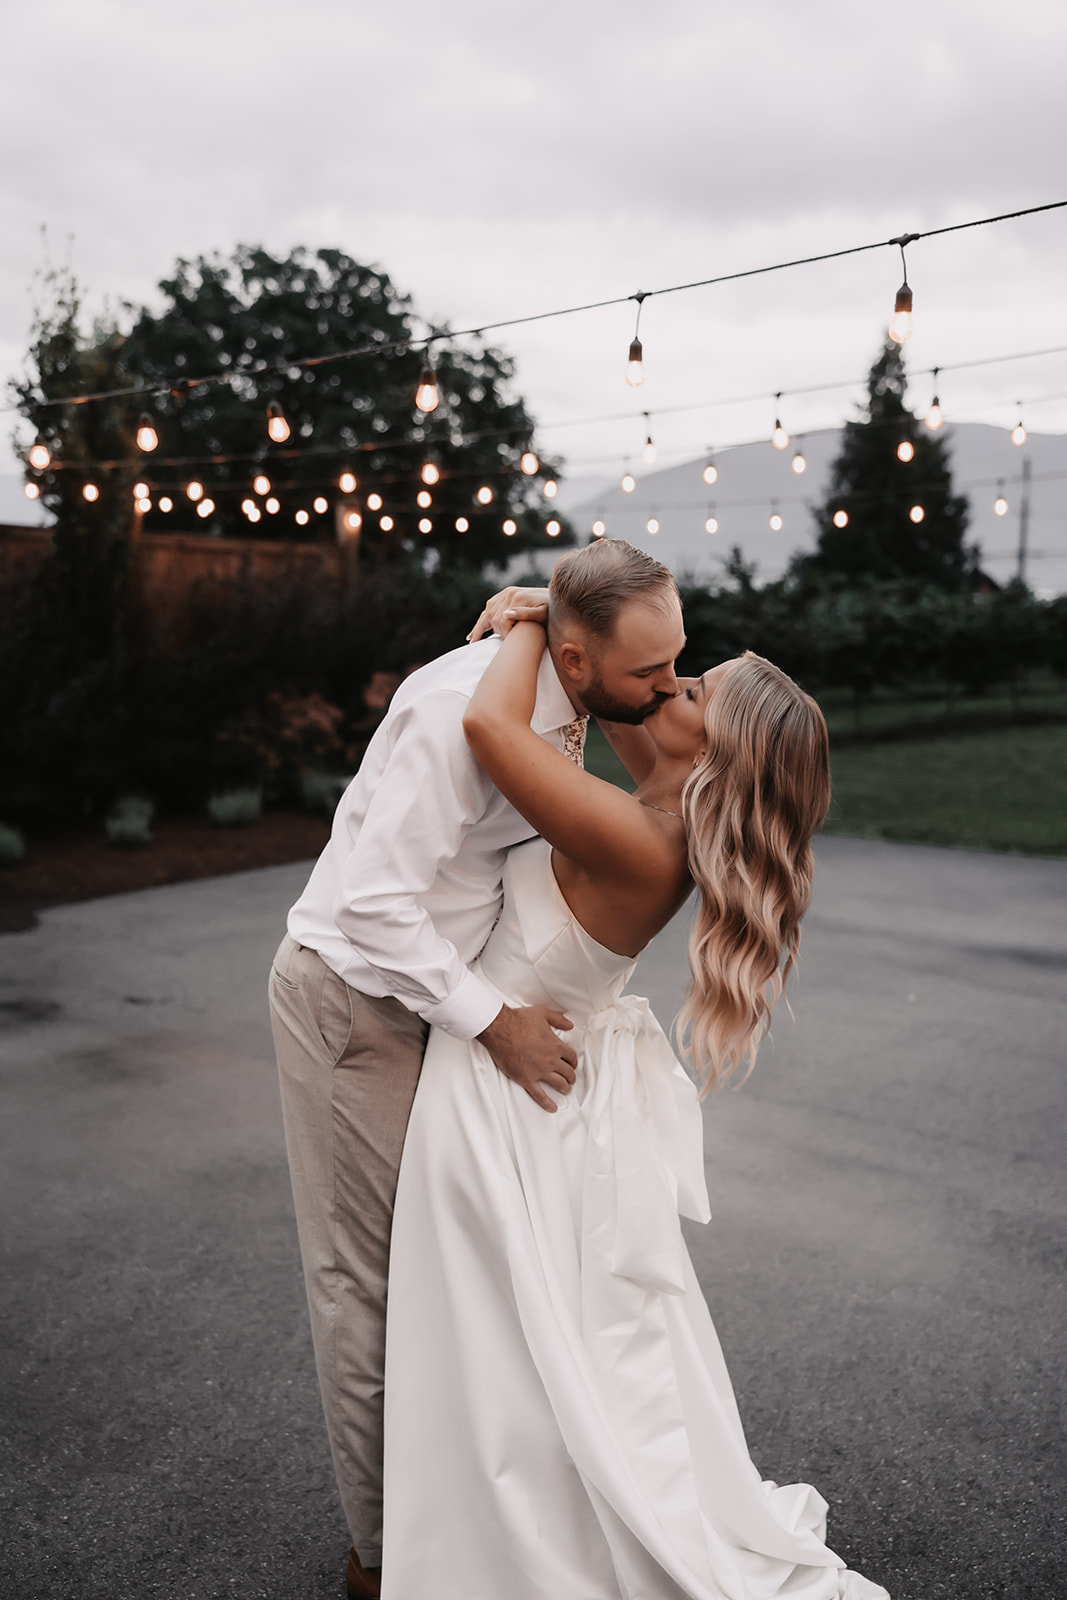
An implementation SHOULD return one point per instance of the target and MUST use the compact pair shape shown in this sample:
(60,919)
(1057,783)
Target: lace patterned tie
(574,740)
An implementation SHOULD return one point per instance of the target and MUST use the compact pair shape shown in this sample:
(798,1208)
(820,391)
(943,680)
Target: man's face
(626,677)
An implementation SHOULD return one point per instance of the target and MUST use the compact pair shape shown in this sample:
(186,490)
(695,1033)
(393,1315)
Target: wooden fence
(171,568)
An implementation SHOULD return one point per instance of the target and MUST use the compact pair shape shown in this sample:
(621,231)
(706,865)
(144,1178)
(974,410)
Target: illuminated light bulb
(901,327)
(484,495)
(425,525)
(934,418)
(1000,506)
(260,483)
(248,506)
(649,452)
(629,483)
(1018,433)
(712,525)
(905,450)
(424,498)
(799,464)
(346,482)
(553,529)
(779,438)
(916,513)
(353,521)
(195,490)
(510,527)
(426,395)
(711,473)
(840,519)
(430,473)
(272,506)
(277,426)
(374,502)
(32,491)
(529,463)
(462,524)
(635,366)
(254,515)
(320,504)
(599,530)
(652,525)
(205,508)
(776,523)
(147,437)
(166,504)
(386,524)
(551,489)
(140,490)
(302,519)
(40,455)
(143,504)
(90,492)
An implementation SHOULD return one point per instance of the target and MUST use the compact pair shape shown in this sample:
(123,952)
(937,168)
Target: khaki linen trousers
(348,1065)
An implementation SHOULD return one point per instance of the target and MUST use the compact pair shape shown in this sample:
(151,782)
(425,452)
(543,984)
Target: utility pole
(1024,520)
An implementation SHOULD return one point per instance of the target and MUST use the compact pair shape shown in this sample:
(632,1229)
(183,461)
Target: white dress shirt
(408,888)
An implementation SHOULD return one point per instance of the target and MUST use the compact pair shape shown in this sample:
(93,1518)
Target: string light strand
(396,346)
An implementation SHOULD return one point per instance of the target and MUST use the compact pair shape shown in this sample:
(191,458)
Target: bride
(559,1421)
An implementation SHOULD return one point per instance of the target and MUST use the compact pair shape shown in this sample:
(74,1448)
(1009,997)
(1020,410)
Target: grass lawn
(1002,790)
(899,712)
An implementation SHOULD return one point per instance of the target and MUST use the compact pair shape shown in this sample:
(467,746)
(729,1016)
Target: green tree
(877,491)
(252,317)
(88,574)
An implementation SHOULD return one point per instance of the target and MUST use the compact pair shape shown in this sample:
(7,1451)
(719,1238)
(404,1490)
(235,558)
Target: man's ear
(572,660)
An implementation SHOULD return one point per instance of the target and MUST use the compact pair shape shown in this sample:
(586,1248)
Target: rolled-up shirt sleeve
(430,792)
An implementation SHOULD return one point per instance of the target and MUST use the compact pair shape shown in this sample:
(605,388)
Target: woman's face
(678,725)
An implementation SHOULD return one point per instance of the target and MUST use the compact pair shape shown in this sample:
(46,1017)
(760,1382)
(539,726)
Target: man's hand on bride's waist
(526,1050)
(508,606)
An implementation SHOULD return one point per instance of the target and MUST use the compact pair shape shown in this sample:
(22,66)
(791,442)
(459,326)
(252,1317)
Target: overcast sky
(498,160)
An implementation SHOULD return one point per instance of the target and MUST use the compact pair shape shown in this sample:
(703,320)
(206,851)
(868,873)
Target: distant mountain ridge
(755,480)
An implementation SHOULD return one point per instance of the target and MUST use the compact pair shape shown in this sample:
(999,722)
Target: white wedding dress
(559,1421)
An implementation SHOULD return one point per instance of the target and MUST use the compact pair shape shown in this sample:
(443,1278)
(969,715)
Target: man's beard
(599,703)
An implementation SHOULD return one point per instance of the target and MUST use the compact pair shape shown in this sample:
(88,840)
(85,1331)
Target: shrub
(320,791)
(12,846)
(127,823)
(235,808)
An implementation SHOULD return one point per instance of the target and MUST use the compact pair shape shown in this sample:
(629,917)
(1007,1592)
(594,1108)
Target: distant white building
(756,482)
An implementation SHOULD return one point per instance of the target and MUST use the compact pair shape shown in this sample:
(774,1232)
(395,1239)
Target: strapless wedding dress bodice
(559,1420)
(537,953)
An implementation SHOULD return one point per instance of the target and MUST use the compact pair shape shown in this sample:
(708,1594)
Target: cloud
(497,160)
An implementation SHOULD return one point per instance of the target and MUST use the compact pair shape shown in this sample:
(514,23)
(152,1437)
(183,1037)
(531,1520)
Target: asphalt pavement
(885,1263)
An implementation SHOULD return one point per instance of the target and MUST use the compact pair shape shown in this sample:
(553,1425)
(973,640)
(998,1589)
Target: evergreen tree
(877,491)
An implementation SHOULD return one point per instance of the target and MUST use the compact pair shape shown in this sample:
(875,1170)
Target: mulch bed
(79,864)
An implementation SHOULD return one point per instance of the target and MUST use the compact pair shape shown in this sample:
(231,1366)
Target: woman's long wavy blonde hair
(750,808)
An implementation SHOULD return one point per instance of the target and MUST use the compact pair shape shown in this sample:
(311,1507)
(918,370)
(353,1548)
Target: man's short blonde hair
(592,586)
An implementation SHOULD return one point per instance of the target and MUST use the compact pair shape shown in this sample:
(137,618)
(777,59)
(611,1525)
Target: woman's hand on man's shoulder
(508,606)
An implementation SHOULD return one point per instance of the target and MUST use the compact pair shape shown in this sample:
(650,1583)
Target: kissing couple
(480,1120)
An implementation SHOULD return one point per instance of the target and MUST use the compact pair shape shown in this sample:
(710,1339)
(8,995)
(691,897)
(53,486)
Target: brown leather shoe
(362,1583)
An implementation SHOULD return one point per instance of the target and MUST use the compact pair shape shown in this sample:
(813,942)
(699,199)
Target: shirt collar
(553,708)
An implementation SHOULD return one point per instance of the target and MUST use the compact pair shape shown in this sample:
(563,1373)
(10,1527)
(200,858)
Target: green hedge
(271,684)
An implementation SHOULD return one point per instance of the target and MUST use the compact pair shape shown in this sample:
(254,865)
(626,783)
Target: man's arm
(430,793)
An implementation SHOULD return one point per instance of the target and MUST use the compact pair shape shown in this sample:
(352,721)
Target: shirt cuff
(468,1010)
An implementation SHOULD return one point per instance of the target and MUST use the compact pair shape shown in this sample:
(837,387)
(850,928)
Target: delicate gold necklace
(666,813)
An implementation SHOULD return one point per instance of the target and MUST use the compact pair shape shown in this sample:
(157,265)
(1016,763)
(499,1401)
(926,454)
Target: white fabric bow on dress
(645,1161)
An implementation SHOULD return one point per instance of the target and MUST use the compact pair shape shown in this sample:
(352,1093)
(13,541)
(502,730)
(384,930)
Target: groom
(380,946)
